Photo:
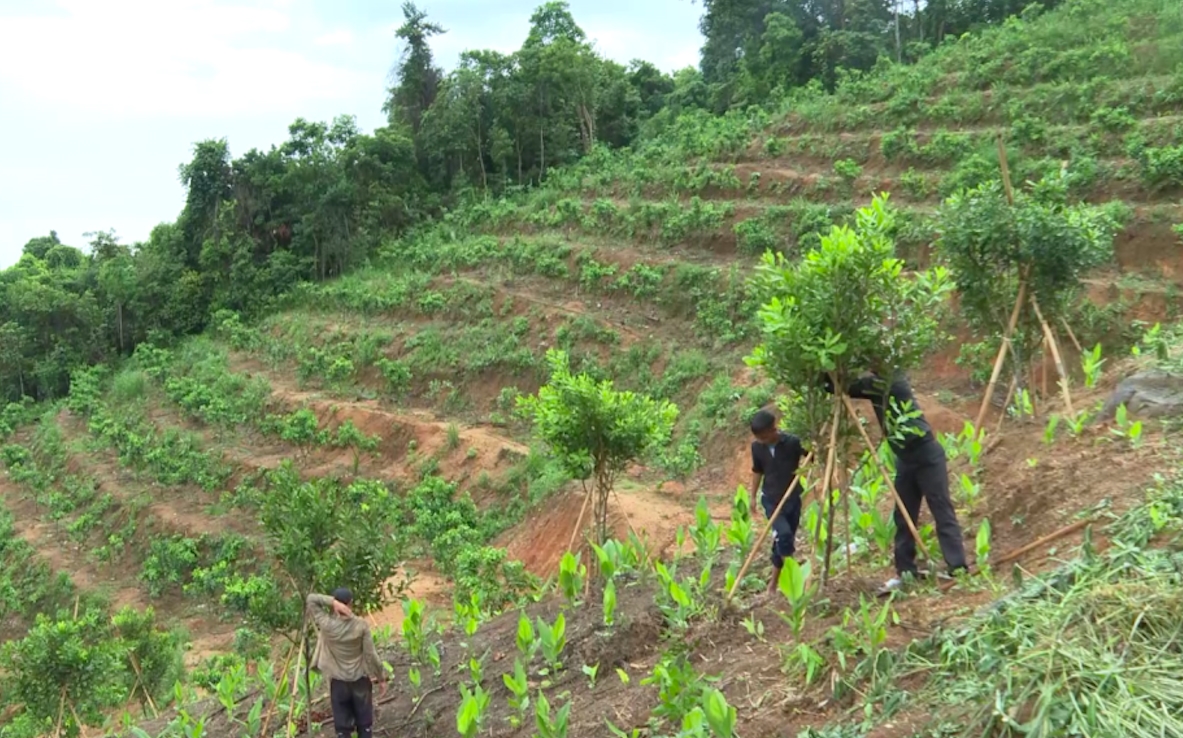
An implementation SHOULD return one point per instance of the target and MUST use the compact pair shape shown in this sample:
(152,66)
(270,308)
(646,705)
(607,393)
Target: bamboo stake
(830,526)
(845,486)
(1064,322)
(1018,552)
(135,664)
(57,730)
(1005,167)
(1001,358)
(1043,368)
(827,475)
(278,685)
(1010,393)
(899,503)
(587,493)
(1066,530)
(764,533)
(292,704)
(1051,340)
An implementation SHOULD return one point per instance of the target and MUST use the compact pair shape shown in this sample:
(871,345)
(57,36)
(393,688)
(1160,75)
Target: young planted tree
(847,306)
(321,534)
(596,430)
(1017,258)
(70,669)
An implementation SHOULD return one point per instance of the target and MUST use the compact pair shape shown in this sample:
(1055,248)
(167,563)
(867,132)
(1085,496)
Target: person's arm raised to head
(316,606)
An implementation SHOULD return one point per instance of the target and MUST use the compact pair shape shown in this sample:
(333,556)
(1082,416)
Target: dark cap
(343,595)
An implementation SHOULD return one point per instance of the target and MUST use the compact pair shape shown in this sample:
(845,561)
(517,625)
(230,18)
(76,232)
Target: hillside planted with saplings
(483,362)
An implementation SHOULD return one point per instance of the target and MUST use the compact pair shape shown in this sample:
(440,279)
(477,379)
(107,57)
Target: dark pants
(353,706)
(922,473)
(784,528)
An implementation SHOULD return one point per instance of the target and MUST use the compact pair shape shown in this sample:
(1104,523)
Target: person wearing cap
(775,458)
(921,469)
(345,654)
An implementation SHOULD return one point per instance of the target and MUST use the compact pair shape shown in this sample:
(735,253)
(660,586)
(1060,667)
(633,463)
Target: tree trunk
(898,50)
(587,128)
(119,314)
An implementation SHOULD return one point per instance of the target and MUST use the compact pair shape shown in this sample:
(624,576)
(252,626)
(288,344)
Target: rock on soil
(1148,394)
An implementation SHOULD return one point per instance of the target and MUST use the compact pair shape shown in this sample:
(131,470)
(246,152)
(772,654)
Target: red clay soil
(654,514)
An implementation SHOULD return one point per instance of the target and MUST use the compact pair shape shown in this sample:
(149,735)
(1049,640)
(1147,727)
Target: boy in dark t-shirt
(775,457)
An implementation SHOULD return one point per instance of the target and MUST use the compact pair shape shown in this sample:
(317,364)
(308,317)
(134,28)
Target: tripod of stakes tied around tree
(848,305)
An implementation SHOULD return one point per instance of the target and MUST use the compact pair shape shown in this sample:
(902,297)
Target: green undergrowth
(440,362)
(1086,56)
(72,501)
(1091,648)
(28,584)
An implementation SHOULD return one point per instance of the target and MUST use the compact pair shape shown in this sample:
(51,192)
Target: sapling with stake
(1018,258)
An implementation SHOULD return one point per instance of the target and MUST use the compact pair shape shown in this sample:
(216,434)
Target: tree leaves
(593,428)
(844,307)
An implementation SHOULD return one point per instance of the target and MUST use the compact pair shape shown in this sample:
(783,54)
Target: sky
(102,100)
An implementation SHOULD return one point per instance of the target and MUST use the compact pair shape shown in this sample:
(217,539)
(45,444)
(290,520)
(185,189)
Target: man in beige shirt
(346,656)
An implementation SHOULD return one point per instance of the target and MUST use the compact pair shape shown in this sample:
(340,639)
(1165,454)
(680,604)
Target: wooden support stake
(135,664)
(899,503)
(1001,358)
(846,515)
(827,475)
(1010,393)
(1043,368)
(57,730)
(587,493)
(1005,167)
(1079,349)
(278,685)
(839,481)
(292,704)
(1066,530)
(829,534)
(1051,341)
(764,533)
(1009,557)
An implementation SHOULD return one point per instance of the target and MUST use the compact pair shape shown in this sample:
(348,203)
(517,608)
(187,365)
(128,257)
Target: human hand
(341,609)
(381,689)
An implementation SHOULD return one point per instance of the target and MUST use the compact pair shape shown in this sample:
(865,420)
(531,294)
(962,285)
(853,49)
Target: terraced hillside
(144,487)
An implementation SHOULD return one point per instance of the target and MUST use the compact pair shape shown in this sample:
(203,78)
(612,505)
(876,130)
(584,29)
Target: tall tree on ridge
(416,77)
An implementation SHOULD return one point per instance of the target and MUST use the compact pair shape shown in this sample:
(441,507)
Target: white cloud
(336,38)
(140,58)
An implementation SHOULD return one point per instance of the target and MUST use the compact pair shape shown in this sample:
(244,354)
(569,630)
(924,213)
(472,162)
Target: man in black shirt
(775,457)
(921,469)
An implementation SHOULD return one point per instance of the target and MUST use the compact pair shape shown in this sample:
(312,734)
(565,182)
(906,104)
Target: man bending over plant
(346,655)
(775,457)
(921,471)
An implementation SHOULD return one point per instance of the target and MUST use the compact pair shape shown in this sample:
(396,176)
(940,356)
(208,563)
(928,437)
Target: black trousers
(784,527)
(353,706)
(922,474)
